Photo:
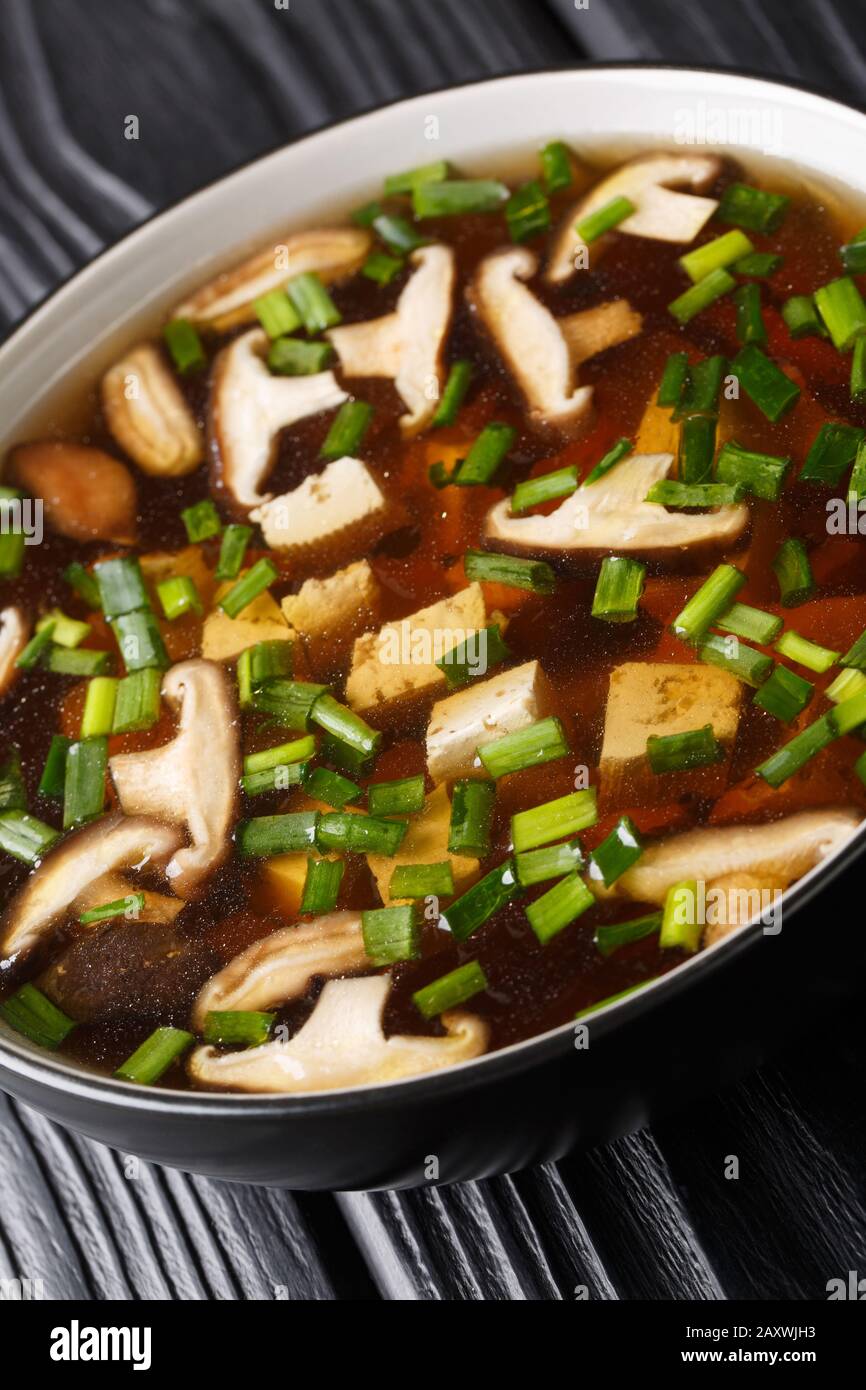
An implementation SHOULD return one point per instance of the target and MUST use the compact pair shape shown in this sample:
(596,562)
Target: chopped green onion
(397,233)
(736,657)
(450,990)
(121,586)
(359,834)
(346,759)
(276,779)
(322,884)
(527,212)
(232,550)
(616,853)
(140,641)
(382,268)
(25,837)
(857,388)
(38,644)
(853,254)
(152,1060)
(137,704)
(471,815)
(480,465)
(806,653)
(763,382)
(758,263)
(855,657)
(762,475)
(422,881)
(201,521)
(846,684)
(469,912)
(295,752)
(130,907)
(555,166)
(439,476)
(794,573)
(682,752)
(803,746)
(490,568)
(453,197)
(256,580)
(551,861)
(697,448)
(83,583)
(545,488)
(98,716)
(36,1018)
(613,935)
(673,379)
(53,777)
(66,632)
(84,789)
(700,296)
(473,657)
(785,694)
(13,793)
(276,313)
(604,219)
(722,251)
(403,797)
(538,743)
(860,768)
(752,623)
(237,1028)
(81,661)
(290,702)
(832,453)
(185,346)
(703,384)
(267,661)
(618,590)
(750,323)
(12,543)
(178,596)
(454,393)
(392,934)
(613,456)
(611,999)
(680,926)
(315,306)
(558,907)
(554,820)
(324,785)
(849,714)
(841,306)
(264,836)
(801,317)
(347,430)
(343,724)
(759,211)
(411,179)
(713,598)
(292,357)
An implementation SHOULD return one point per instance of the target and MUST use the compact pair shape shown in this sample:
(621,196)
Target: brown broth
(531,987)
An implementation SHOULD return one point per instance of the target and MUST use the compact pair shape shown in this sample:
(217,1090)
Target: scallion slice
(542,742)
(841,306)
(613,935)
(237,1028)
(84,788)
(785,694)
(130,906)
(855,657)
(295,752)
(185,346)
(469,912)
(697,448)
(700,296)
(742,205)
(157,1053)
(97,718)
(78,661)
(25,837)
(289,702)
(734,656)
(703,385)
(392,934)
(38,645)
(201,521)
(805,653)
(713,598)
(717,254)
(857,387)
(140,641)
(264,836)
(801,317)
(750,323)
(382,268)
(668,492)
(411,179)
(347,430)
(13,793)
(683,752)
(359,834)
(276,313)
(233,546)
(322,884)
(137,703)
(763,475)
(481,463)
(293,357)
(53,777)
(256,580)
(751,623)
(559,907)
(680,926)
(459,377)
(527,212)
(422,881)
(849,714)
(324,785)
(772,391)
(616,853)
(794,573)
(471,815)
(343,724)
(794,755)
(402,797)
(179,596)
(555,166)
(618,590)
(454,197)
(312,302)
(614,455)
(66,632)
(758,263)
(604,219)
(474,656)
(673,380)
(450,990)
(611,999)
(490,568)
(397,234)
(832,453)
(121,586)
(551,861)
(554,820)
(846,684)
(12,544)
(544,488)
(34,1016)
(84,584)
(276,779)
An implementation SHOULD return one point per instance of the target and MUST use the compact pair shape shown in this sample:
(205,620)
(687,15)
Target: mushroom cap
(154,424)
(660,212)
(192,780)
(66,872)
(280,966)
(342,1044)
(87,494)
(249,407)
(14,633)
(611,515)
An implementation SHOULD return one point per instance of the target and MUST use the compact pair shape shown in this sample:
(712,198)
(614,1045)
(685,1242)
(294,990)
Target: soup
(452,621)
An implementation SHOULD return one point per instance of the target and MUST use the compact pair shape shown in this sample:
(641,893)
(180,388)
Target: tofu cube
(330,613)
(662,698)
(224,638)
(396,665)
(342,508)
(464,722)
(426,842)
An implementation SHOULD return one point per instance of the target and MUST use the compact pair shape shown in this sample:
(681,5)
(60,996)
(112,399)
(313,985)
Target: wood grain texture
(213,83)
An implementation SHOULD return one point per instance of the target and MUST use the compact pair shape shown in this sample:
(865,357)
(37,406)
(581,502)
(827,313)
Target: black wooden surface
(214,82)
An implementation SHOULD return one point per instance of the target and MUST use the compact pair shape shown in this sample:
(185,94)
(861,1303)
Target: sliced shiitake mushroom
(86,493)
